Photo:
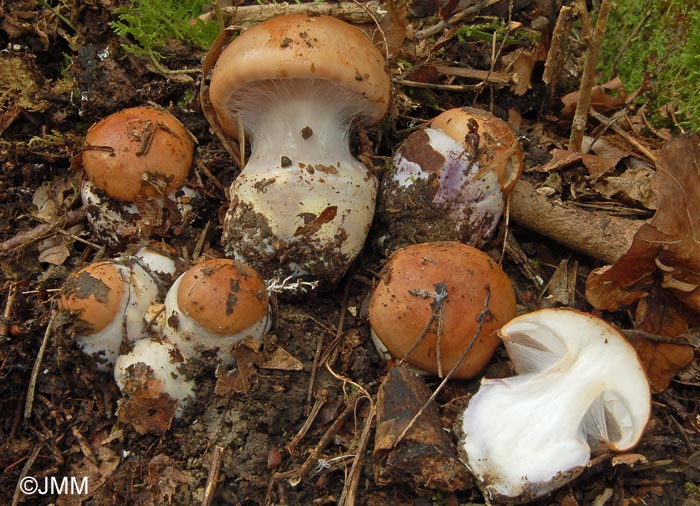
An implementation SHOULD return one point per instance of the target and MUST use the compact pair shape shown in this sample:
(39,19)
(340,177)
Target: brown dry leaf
(282,360)
(596,165)
(633,185)
(393,25)
(521,63)
(663,263)
(660,314)
(148,415)
(602,99)
(667,249)
(165,475)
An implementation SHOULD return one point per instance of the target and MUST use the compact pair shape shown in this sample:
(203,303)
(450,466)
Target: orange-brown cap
(95,294)
(403,302)
(298,46)
(222,295)
(498,145)
(142,151)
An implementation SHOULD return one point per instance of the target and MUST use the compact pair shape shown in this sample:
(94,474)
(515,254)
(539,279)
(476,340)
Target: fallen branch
(352,12)
(599,236)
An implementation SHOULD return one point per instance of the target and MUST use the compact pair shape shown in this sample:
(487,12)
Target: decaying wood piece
(27,237)
(351,12)
(597,235)
(426,456)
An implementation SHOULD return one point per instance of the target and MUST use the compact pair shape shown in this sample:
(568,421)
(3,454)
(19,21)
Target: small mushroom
(213,306)
(136,162)
(108,300)
(449,181)
(302,205)
(434,294)
(151,370)
(580,390)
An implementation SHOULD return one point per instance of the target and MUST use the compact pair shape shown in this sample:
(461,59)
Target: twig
(295,476)
(25,471)
(480,75)
(27,237)
(7,313)
(439,298)
(610,123)
(432,86)
(321,399)
(29,401)
(213,477)
(477,332)
(349,494)
(578,125)
(454,19)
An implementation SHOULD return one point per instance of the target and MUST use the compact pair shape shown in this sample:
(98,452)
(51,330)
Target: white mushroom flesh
(580,389)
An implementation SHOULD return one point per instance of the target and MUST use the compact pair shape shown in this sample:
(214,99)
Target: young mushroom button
(457,172)
(136,162)
(214,305)
(302,205)
(441,288)
(109,300)
(580,390)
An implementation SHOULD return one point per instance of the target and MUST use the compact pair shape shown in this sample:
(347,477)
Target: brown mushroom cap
(399,313)
(298,46)
(498,144)
(222,295)
(95,294)
(140,151)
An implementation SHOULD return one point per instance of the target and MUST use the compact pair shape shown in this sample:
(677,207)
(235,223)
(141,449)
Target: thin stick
(455,18)
(25,471)
(578,125)
(349,494)
(482,319)
(610,123)
(27,237)
(213,477)
(29,401)
(7,313)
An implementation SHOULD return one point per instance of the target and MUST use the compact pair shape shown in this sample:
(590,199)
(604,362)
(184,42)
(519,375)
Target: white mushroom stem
(581,388)
(301,168)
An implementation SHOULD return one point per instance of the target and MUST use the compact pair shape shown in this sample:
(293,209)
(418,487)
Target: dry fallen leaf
(663,261)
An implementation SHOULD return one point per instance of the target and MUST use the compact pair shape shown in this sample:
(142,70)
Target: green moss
(151,23)
(660,38)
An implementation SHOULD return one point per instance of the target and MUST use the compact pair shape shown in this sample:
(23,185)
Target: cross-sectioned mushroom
(580,390)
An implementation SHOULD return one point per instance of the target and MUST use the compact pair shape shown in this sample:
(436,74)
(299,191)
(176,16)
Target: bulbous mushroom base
(302,227)
(437,191)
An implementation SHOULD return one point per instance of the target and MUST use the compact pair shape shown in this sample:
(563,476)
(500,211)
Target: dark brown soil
(63,82)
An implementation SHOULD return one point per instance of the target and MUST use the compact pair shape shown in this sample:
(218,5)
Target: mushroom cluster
(580,390)
(136,162)
(295,85)
(118,318)
(449,181)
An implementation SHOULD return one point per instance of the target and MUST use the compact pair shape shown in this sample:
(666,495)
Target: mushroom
(302,205)
(441,288)
(455,174)
(214,305)
(136,162)
(151,370)
(108,300)
(580,389)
